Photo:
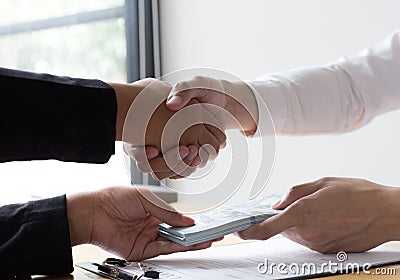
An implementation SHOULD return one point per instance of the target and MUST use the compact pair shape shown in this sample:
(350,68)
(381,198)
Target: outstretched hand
(125,222)
(334,214)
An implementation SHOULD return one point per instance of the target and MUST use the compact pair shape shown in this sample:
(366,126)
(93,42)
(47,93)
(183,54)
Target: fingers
(223,146)
(181,94)
(141,154)
(290,217)
(182,169)
(160,163)
(162,210)
(202,88)
(209,147)
(295,193)
(149,161)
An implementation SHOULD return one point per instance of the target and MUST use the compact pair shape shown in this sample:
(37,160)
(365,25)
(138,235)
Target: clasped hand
(184,125)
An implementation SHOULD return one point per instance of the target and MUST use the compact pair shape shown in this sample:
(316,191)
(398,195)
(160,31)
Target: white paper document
(277,258)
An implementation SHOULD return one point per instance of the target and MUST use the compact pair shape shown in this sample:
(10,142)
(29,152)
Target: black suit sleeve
(34,238)
(48,117)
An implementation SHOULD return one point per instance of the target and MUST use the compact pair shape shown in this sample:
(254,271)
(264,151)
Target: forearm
(335,98)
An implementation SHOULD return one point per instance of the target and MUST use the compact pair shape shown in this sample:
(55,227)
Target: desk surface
(86,253)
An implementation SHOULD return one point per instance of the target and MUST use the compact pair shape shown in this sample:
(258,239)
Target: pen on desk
(118,274)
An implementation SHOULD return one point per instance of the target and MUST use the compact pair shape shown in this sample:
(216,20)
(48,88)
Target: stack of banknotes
(221,221)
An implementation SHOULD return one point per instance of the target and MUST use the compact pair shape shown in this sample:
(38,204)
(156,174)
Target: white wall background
(251,37)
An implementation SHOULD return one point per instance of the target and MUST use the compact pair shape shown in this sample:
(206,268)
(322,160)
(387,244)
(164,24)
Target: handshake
(172,130)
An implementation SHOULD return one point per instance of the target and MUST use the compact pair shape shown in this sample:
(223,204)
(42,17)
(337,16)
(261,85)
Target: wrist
(389,222)
(125,94)
(80,213)
(394,198)
(241,103)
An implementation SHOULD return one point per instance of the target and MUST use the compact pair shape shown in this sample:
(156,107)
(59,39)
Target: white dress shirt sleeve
(335,98)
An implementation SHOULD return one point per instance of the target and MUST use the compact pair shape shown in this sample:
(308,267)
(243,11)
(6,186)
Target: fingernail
(151,154)
(183,153)
(188,220)
(196,162)
(192,153)
(177,100)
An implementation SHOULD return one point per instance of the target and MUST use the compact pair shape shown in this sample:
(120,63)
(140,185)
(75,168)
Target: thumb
(141,153)
(182,93)
(161,210)
(177,99)
(175,102)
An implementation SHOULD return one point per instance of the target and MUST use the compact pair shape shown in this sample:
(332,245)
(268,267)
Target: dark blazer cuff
(34,238)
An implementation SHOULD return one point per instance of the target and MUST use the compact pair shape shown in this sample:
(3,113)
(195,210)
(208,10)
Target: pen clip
(116,273)
(116,262)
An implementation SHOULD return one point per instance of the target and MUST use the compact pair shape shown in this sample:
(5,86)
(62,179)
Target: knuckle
(362,181)
(198,77)
(301,208)
(181,86)
(199,80)
(292,192)
(253,233)
(187,161)
(326,180)
(165,83)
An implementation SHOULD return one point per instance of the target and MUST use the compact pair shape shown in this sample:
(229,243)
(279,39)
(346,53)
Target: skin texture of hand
(136,137)
(122,221)
(125,95)
(335,214)
(234,97)
(149,160)
(239,103)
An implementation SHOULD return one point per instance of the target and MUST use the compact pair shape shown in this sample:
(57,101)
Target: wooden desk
(85,253)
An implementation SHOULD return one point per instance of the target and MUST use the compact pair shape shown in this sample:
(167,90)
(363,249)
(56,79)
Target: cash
(221,221)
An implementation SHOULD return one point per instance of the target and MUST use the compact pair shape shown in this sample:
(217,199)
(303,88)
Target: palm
(123,226)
